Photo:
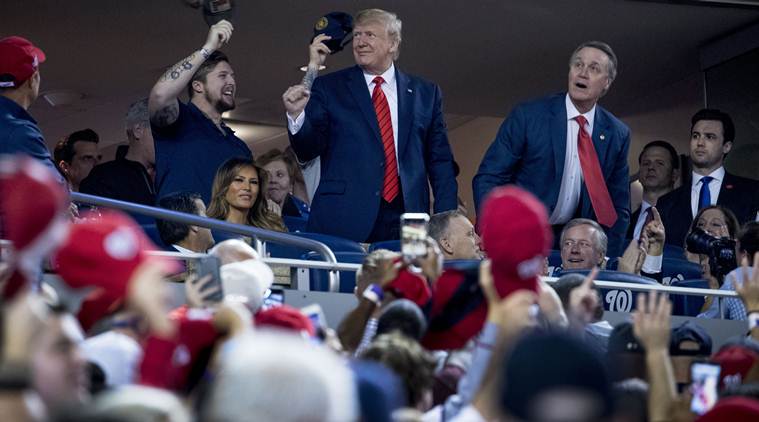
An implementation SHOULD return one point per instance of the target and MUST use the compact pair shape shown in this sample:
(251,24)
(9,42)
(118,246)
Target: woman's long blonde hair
(259,215)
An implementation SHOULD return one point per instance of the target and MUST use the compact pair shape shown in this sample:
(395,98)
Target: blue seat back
(618,300)
(675,269)
(393,245)
(673,251)
(319,279)
(554,260)
(337,244)
(688,305)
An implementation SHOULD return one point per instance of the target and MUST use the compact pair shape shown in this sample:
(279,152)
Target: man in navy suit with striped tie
(379,132)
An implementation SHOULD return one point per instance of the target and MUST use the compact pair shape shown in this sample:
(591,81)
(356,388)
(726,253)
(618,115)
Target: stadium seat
(319,279)
(618,300)
(393,245)
(674,269)
(688,305)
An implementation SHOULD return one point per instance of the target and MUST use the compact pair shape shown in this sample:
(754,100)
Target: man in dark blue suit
(380,135)
(567,150)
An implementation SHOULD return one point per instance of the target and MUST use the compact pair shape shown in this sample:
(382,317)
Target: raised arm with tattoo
(162,104)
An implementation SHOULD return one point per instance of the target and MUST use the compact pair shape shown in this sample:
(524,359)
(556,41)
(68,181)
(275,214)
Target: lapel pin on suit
(409,90)
(728,186)
(602,137)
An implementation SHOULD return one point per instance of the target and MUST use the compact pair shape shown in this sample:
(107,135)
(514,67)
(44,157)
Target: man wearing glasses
(567,150)
(711,139)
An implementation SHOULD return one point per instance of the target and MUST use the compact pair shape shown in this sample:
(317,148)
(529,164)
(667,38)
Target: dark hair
(64,150)
(674,157)
(205,68)
(438,225)
(404,316)
(728,128)
(172,232)
(730,220)
(407,359)
(748,237)
(259,215)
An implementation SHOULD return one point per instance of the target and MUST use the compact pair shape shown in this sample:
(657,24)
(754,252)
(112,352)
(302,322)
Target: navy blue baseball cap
(339,26)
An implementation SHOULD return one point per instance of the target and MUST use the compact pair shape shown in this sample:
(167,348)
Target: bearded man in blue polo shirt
(191,140)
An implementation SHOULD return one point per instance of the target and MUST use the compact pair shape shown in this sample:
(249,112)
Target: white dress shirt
(714,187)
(390,88)
(571,179)
(641,219)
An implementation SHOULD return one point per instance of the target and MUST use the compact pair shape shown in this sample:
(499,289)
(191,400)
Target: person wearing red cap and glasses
(19,88)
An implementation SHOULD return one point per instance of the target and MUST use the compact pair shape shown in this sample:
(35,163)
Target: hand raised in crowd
(432,263)
(318,51)
(550,305)
(651,321)
(654,234)
(748,288)
(218,35)
(583,301)
(147,296)
(632,260)
(512,314)
(199,291)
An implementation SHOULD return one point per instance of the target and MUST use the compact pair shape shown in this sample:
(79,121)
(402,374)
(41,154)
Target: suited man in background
(712,137)
(659,169)
(567,150)
(380,135)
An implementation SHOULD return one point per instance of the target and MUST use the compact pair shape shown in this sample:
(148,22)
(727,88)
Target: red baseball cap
(285,317)
(413,287)
(735,361)
(19,59)
(516,236)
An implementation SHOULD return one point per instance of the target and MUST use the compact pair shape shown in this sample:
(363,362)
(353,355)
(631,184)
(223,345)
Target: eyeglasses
(583,244)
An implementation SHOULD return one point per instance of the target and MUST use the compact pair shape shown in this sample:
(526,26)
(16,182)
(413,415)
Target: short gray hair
(389,19)
(606,49)
(600,239)
(137,114)
(439,223)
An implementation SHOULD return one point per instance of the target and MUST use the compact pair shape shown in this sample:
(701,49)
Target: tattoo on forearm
(308,78)
(176,71)
(165,116)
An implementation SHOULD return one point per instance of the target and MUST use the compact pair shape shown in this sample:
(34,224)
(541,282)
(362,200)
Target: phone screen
(414,235)
(210,265)
(704,378)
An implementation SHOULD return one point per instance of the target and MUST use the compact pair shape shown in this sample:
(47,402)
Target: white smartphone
(414,235)
(704,382)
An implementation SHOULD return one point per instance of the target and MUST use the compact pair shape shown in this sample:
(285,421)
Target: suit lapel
(405,113)
(601,135)
(559,134)
(357,87)
(727,192)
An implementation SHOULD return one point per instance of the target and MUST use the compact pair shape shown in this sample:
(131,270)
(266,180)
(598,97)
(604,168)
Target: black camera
(721,252)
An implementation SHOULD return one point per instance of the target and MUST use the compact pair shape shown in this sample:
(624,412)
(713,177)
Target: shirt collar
(572,111)
(717,175)
(15,110)
(388,76)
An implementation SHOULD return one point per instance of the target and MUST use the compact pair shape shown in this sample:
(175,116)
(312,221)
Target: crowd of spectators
(469,331)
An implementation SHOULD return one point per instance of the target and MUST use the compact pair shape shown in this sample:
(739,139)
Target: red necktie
(594,178)
(391,188)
